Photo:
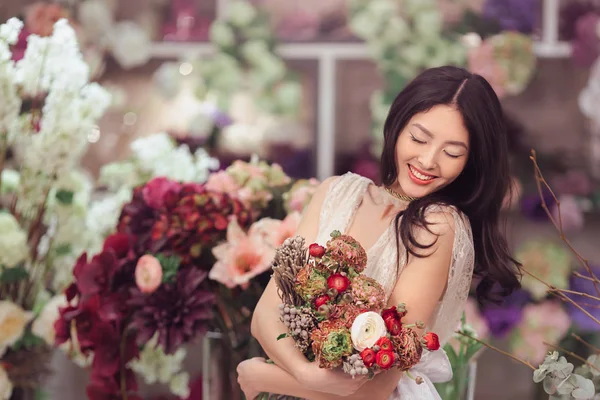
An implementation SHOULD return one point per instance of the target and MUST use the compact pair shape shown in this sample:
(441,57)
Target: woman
(432,225)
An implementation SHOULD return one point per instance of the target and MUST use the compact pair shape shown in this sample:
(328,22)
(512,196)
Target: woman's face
(431,151)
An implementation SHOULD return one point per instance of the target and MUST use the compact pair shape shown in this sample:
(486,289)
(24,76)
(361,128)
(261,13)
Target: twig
(571,354)
(539,181)
(585,343)
(587,278)
(562,296)
(489,346)
(589,296)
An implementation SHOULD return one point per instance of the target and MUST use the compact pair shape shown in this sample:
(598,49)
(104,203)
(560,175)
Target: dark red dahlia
(178,311)
(137,217)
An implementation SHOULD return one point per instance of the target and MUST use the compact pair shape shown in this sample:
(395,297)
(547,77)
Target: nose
(428,159)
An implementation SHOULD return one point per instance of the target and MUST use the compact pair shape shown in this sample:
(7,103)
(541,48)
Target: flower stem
(123,376)
(572,355)
(585,343)
(489,346)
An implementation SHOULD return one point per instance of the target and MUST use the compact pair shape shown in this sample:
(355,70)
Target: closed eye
(414,139)
(452,155)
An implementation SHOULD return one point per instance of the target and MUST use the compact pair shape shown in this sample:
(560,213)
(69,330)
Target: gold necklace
(398,195)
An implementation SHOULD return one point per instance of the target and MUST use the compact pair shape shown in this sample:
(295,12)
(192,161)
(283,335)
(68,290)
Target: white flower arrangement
(48,108)
(403,41)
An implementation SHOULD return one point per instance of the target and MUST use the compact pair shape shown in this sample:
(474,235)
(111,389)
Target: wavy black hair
(479,190)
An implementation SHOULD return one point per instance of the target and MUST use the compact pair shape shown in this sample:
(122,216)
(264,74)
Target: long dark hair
(479,190)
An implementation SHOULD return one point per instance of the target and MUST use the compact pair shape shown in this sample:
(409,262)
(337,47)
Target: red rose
(338,282)
(431,341)
(321,300)
(384,344)
(391,312)
(384,359)
(316,250)
(368,357)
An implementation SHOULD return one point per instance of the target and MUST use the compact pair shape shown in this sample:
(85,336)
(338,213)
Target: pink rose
(160,192)
(148,273)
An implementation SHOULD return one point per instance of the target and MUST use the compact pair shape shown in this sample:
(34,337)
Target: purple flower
(570,13)
(586,44)
(531,206)
(580,319)
(501,319)
(513,15)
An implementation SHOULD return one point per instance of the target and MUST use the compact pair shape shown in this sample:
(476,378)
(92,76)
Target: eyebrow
(428,133)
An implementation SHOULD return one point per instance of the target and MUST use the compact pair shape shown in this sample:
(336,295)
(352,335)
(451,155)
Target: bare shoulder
(438,236)
(441,220)
(309,224)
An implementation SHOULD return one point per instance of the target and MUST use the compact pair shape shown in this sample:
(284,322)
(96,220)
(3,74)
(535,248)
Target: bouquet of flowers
(337,316)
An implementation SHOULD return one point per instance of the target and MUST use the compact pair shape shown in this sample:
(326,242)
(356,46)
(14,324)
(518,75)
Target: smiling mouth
(420,176)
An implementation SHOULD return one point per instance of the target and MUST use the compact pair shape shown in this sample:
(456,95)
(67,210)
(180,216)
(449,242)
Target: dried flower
(367,293)
(408,347)
(345,250)
(310,282)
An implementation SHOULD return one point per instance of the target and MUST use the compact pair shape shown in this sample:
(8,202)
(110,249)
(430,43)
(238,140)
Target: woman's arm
(420,285)
(266,325)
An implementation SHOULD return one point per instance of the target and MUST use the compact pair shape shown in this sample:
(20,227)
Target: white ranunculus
(13,242)
(13,320)
(43,326)
(366,330)
(130,44)
(6,386)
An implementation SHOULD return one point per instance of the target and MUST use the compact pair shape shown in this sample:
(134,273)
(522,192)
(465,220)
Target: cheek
(453,169)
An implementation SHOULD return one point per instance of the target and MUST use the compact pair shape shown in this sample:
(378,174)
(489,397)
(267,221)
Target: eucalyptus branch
(489,346)
(540,180)
(572,355)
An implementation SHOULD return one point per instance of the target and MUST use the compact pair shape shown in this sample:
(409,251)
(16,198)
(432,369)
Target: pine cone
(289,258)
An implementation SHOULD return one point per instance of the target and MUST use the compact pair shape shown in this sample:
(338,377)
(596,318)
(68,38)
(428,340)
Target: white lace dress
(348,190)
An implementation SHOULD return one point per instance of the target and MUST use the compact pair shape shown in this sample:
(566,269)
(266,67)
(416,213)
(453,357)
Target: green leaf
(170,266)
(10,275)
(282,336)
(63,249)
(65,196)
(42,395)
(27,341)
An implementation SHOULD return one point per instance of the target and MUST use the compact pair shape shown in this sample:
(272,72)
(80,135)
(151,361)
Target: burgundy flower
(137,217)
(178,312)
(161,192)
(85,316)
(95,276)
(119,243)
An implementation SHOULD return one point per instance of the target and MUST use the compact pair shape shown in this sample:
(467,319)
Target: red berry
(321,300)
(338,282)
(316,250)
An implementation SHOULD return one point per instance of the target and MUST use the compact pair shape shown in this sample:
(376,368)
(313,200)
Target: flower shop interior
(189,135)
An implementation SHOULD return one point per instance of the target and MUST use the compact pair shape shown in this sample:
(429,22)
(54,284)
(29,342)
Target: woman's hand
(329,381)
(248,376)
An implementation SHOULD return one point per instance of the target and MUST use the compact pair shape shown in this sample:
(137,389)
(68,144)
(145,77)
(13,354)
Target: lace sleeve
(450,309)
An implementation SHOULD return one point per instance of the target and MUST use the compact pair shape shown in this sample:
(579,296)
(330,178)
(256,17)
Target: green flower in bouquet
(310,282)
(331,342)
